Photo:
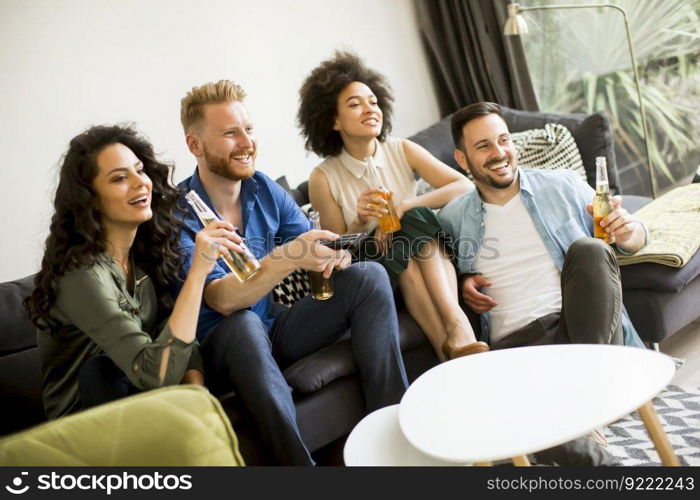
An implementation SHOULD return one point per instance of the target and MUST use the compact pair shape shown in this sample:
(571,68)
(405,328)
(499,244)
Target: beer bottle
(390,222)
(601,202)
(321,288)
(243,266)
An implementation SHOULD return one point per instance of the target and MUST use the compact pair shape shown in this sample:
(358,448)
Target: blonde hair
(192,105)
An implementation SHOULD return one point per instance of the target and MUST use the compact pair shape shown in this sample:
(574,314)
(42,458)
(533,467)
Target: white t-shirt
(525,280)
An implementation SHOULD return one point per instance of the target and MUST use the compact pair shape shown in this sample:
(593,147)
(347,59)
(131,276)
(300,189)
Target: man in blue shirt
(245,339)
(525,252)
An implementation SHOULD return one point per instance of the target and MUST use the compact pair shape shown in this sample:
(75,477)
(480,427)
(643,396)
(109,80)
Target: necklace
(125,265)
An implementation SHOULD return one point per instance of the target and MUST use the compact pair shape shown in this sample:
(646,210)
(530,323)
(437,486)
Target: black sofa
(660,300)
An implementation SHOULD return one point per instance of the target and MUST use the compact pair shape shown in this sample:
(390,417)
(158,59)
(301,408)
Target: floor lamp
(516,25)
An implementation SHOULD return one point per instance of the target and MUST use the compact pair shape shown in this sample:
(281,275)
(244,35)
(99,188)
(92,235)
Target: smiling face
(122,186)
(225,142)
(488,152)
(359,115)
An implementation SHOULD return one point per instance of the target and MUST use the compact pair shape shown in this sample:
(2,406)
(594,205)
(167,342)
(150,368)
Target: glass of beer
(321,288)
(390,222)
(244,265)
(601,202)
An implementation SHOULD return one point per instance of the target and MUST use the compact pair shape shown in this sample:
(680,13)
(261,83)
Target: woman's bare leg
(441,282)
(421,307)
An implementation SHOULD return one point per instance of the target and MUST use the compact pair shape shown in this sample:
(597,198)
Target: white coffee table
(509,403)
(377,440)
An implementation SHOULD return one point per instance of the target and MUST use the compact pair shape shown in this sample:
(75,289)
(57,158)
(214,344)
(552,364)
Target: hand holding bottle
(306,251)
(371,204)
(242,264)
(212,242)
(601,206)
(618,222)
(388,222)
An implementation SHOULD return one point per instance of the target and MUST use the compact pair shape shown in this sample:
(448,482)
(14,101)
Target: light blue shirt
(555,199)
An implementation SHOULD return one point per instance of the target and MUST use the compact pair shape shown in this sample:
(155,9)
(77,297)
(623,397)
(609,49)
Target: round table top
(377,440)
(512,402)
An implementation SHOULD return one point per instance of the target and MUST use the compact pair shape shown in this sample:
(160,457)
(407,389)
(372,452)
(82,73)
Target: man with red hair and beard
(542,278)
(245,339)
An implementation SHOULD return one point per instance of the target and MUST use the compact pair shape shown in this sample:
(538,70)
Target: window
(579,62)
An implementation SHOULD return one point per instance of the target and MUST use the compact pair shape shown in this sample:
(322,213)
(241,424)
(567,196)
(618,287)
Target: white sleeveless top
(348,177)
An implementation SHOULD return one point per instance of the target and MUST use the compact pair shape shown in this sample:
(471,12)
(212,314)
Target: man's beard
(484,178)
(222,166)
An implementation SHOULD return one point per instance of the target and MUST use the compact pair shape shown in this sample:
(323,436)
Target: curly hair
(318,100)
(76,235)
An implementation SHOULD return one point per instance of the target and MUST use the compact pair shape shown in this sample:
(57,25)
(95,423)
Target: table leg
(521,461)
(657,434)
(483,464)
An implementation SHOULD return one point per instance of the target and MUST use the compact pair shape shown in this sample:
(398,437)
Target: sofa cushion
(633,202)
(299,197)
(656,315)
(173,426)
(322,367)
(549,148)
(292,288)
(18,333)
(335,360)
(303,190)
(410,334)
(649,275)
(594,138)
(592,133)
(20,390)
(438,140)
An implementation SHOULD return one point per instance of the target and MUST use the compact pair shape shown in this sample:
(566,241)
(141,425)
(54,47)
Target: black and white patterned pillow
(294,287)
(549,148)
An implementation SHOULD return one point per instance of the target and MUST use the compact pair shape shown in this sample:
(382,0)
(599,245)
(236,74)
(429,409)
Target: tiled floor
(685,344)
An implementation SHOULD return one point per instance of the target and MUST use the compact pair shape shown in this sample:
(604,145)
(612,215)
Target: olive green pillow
(172,426)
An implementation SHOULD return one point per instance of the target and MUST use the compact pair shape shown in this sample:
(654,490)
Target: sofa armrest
(633,202)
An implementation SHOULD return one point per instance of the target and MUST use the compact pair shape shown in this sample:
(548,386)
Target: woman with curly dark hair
(108,325)
(345,116)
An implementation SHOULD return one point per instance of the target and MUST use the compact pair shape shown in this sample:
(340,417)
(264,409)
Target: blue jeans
(240,354)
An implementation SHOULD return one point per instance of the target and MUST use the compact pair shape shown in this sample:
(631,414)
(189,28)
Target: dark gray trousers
(591,313)
(591,294)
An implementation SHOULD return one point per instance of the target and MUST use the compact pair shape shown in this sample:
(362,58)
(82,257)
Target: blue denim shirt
(556,201)
(270,218)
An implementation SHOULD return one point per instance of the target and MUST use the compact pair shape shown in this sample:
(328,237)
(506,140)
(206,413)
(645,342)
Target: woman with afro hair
(345,116)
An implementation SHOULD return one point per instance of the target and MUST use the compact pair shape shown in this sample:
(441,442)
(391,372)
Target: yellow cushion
(173,426)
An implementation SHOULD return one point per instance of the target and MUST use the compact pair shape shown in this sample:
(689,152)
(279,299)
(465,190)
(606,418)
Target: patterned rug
(679,410)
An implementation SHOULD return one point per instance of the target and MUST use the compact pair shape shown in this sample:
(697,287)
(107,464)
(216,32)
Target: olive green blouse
(98,315)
